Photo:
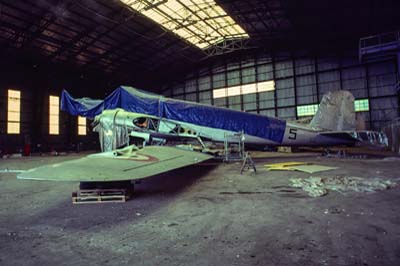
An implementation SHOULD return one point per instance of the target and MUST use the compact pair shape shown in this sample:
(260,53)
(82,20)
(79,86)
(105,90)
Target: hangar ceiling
(109,37)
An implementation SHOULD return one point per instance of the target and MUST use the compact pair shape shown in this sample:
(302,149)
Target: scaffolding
(234,151)
(234,147)
(392,130)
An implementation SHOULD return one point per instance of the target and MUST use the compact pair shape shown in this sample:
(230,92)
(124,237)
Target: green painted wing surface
(145,162)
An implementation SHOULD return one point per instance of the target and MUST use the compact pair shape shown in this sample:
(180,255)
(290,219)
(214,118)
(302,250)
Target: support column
(398,83)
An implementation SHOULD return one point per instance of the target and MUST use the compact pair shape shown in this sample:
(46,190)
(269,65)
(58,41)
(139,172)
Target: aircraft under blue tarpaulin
(137,101)
(128,112)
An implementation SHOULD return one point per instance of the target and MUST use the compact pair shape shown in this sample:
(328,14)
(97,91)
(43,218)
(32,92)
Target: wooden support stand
(100,195)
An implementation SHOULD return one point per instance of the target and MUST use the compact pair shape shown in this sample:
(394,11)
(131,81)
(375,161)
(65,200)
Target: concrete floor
(203,215)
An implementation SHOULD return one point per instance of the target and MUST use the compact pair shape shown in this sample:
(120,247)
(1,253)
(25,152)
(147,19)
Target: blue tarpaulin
(138,101)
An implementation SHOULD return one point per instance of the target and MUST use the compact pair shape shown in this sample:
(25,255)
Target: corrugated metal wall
(36,85)
(299,80)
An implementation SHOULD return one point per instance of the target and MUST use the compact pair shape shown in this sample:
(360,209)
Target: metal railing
(383,42)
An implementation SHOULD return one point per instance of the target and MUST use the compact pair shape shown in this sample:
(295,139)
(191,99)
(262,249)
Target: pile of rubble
(319,186)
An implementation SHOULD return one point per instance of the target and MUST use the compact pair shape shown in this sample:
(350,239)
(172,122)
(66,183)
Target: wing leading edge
(111,166)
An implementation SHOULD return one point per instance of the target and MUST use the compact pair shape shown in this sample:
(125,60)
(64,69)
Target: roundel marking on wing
(143,158)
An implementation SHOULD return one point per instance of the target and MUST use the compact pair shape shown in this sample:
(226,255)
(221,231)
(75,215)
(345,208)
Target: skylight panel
(157,17)
(202,23)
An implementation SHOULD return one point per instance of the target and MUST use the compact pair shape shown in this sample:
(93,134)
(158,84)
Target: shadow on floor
(151,194)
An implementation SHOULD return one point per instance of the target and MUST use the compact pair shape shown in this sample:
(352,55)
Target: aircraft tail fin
(335,112)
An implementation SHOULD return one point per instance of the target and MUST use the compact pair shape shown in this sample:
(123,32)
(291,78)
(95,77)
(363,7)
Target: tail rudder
(335,112)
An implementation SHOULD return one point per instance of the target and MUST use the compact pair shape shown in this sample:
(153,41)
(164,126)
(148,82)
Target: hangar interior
(276,58)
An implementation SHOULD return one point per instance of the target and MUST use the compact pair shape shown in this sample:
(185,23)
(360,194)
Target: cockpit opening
(141,122)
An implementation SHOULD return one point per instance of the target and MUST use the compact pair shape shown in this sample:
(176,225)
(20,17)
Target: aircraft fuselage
(147,127)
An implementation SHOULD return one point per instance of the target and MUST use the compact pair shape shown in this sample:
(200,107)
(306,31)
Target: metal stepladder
(247,163)
(240,154)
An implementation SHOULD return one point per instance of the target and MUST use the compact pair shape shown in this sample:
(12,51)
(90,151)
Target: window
(249,88)
(266,86)
(219,93)
(234,91)
(244,89)
(81,126)
(361,105)
(307,110)
(13,112)
(54,112)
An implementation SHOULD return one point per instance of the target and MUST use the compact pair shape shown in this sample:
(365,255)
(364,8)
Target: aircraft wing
(364,136)
(345,135)
(118,165)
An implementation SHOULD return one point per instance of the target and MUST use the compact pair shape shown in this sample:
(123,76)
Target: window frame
(54,115)
(13,123)
(82,126)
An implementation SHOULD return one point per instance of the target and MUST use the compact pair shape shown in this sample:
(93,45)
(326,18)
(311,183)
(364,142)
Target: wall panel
(304,66)
(382,79)
(300,79)
(283,69)
(383,110)
(191,86)
(265,72)
(204,83)
(219,80)
(328,81)
(269,112)
(354,80)
(306,89)
(285,92)
(248,75)
(287,113)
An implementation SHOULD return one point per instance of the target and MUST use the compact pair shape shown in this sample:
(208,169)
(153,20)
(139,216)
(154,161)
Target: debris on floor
(319,186)
(283,165)
(314,186)
(299,166)
(313,168)
(391,159)
(285,149)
